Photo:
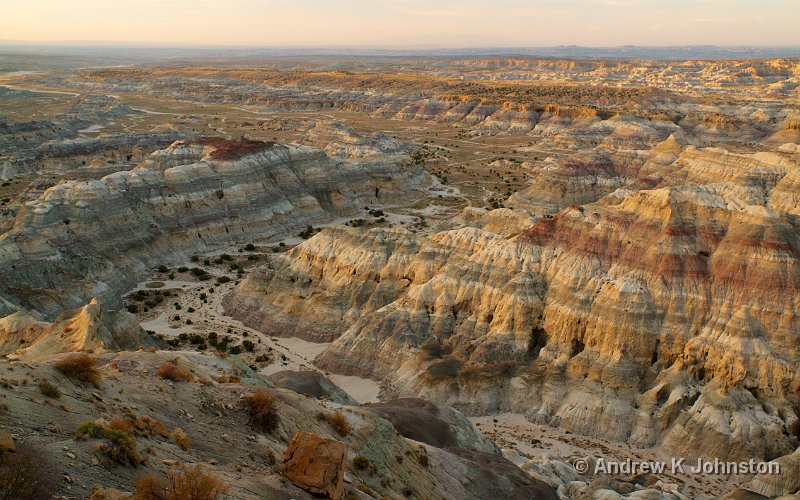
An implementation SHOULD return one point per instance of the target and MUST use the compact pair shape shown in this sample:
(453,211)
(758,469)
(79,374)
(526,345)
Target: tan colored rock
(655,316)
(786,482)
(86,329)
(316,464)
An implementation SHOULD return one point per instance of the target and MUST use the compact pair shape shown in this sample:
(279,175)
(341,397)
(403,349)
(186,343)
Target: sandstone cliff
(87,238)
(658,316)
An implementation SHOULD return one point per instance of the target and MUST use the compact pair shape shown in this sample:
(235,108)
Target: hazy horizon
(403,23)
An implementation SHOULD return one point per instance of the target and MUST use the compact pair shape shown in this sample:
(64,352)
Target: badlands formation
(401,278)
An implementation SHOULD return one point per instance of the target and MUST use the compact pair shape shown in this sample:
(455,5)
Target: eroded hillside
(587,258)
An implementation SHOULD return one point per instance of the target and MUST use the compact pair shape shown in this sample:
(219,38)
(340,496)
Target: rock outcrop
(311,383)
(315,464)
(194,196)
(786,482)
(655,316)
(433,424)
(86,329)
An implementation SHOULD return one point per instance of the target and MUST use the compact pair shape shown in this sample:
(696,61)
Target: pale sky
(405,23)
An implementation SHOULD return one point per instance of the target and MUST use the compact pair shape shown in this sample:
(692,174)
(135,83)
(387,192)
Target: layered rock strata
(657,316)
(96,238)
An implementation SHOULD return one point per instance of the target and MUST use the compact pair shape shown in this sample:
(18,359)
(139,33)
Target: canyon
(482,268)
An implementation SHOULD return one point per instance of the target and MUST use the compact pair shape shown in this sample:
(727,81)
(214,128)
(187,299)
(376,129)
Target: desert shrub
(90,429)
(248,345)
(180,438)
(182,483)
(196,339)
(249,247)
(168,371)
(80,367)
(262,411)
(360,462)
(49,389)
(337,421)
(223,279)
(118,446)
(149,487)
(120,424)
(26,475)
(147,426)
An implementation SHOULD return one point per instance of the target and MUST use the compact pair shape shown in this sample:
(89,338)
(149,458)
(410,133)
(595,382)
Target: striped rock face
(96,238)
(659,316)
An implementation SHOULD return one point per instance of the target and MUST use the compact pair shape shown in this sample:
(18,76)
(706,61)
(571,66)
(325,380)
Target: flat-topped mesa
(195,196)
(217,148)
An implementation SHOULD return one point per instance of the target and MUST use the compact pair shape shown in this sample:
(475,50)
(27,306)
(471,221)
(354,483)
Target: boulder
(315,464)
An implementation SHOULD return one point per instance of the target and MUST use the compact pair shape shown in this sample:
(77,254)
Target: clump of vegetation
(81,367)
(49,389)
(26,473)
(360,462)
(182,483)
(118,446)
(262,411)
(146,426)
(337,421)
(122,425)
(169,371)
(181,438)
(307,233)
(200,274)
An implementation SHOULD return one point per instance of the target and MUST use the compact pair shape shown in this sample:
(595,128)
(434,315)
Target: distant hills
(151,52)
